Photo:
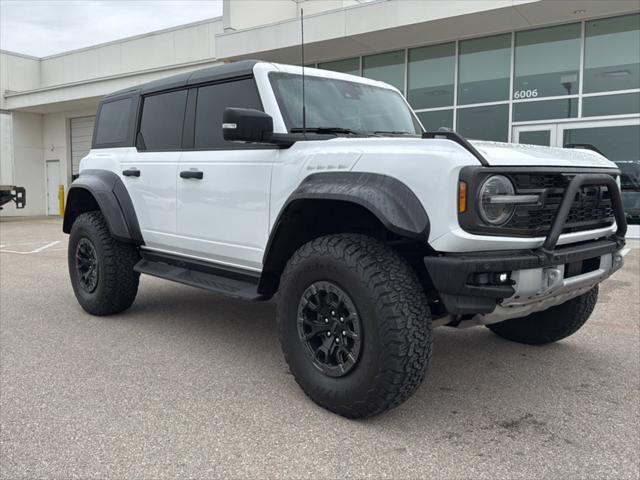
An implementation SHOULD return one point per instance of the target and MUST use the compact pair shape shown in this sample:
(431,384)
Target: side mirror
(246,125)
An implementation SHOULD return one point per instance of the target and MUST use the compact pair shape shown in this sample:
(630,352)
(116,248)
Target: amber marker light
(462,197)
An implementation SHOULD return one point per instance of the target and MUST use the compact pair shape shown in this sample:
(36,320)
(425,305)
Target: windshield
(352,106)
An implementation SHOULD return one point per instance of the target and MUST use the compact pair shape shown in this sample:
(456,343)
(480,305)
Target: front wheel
(549,325)
(100,267)
(354,325)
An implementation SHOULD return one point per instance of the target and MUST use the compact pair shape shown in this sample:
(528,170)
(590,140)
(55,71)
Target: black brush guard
(450,273)
(579,181)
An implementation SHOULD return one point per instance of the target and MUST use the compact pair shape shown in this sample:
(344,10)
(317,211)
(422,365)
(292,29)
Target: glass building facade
(571,83)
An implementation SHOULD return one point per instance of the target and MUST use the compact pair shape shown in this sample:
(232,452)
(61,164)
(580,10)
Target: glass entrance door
(544,135)
(618,140)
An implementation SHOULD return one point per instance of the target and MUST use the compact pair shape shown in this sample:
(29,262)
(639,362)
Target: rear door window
(162,121)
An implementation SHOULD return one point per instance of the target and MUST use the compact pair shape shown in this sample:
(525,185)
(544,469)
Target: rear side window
(162,120)
(114,122)
(211,102)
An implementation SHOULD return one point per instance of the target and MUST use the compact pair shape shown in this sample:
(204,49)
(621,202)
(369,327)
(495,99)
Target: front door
(224,187)
(53,187)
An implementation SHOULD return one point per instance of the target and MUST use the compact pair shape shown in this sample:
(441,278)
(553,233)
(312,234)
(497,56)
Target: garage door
(81,133)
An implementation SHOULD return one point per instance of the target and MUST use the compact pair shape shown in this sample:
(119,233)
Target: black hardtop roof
(210,74)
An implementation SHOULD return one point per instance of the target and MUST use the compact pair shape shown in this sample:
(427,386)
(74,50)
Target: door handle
(197,174)
(131,172)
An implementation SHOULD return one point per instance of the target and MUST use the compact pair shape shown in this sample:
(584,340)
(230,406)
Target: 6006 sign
(525,94)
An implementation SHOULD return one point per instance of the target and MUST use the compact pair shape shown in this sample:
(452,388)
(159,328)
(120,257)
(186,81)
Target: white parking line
(37,250)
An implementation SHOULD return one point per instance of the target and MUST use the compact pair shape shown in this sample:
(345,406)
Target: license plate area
(580,267)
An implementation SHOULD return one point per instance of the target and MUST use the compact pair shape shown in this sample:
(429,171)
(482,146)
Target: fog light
(486,278)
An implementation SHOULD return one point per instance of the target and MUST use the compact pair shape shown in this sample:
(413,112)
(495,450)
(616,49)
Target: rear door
(150,170)
(223,199)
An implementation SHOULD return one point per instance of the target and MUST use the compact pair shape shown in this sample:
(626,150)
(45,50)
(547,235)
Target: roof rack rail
(460,140)
(585,146)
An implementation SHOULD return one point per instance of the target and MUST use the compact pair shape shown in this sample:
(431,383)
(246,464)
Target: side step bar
(219,279)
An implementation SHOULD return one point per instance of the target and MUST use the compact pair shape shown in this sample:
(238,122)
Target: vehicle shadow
(471,369)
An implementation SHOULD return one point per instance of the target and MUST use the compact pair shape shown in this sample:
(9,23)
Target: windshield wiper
(392,132)
(346,131)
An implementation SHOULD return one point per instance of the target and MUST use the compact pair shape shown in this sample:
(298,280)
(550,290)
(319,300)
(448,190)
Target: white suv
(370,230)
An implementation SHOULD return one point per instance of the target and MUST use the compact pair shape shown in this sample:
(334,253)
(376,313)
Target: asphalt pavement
(191,384)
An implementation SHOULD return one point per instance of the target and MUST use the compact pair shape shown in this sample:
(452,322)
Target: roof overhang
(385,26)
(61,98)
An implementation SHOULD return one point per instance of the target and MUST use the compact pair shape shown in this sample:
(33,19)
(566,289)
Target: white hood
(513,154)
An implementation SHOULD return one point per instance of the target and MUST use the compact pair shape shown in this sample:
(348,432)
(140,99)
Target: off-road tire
(396,324)
(549,325)
(117,282)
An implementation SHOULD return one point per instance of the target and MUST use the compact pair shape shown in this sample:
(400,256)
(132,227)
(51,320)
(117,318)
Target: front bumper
(470,283)
(495,286)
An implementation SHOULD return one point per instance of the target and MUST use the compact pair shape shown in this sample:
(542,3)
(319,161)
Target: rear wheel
(100,267)
(354,325)
(549,325)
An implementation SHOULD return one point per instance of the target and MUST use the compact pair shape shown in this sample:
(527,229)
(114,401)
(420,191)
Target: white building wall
(251,13)
(17,73)
(56,140)
(29,170)
(171,47)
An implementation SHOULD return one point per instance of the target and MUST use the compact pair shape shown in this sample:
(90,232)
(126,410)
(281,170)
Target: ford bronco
(370,230)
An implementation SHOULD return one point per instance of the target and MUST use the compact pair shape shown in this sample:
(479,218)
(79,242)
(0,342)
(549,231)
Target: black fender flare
(112,199)
(391,201)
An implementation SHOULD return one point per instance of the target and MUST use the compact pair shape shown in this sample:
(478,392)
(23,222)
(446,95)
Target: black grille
(591,207)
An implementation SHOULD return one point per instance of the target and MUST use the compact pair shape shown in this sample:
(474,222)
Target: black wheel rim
(329,328)
(87,265)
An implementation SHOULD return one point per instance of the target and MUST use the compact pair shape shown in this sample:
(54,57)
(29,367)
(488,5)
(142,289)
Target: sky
(47,27)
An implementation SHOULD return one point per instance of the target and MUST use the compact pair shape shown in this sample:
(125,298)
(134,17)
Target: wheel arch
(103,190)
(342,202)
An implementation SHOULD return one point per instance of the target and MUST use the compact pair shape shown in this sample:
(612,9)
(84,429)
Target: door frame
(48,163)
(537,127)
(557,129)
(561,127)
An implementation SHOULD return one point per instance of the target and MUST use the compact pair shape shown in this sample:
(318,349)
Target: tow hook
(551,278)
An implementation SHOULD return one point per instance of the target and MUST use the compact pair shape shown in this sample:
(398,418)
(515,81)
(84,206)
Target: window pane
(484,123)
(210,105)
(612,54)
(611,105)
(548,109)
(538,137)
(162,118)
(114,122)
(350,66)
(619,144)
(547,61)
(431,76)
(432,121)
(483,74)
(386,67)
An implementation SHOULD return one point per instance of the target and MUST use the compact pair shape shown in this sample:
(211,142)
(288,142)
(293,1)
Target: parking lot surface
(191,384)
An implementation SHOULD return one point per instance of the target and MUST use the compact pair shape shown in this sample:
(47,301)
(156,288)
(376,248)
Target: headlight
(492,212)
